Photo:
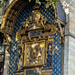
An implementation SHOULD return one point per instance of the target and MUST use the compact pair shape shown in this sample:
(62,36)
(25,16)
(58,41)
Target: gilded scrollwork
(36,22)
(53,30)
(17,36)
(51,27)
(34,53)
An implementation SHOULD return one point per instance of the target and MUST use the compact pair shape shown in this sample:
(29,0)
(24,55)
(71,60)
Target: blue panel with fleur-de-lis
(56,59)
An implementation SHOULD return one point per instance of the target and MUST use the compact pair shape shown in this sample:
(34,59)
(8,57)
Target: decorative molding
(70,34)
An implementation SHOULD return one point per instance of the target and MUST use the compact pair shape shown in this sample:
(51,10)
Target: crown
(36,7)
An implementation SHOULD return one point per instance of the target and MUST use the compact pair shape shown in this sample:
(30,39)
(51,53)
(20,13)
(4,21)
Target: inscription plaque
(32,72)
(35,33)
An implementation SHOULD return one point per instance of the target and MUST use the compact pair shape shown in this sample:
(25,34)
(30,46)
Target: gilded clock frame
(41,61)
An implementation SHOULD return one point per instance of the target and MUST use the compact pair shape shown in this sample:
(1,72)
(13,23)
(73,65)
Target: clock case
(39,62)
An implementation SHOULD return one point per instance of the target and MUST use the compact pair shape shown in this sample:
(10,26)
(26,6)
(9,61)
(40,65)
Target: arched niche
(9,21)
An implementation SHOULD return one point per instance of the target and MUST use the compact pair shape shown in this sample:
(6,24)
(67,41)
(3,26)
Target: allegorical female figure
(49,59)
(19,57)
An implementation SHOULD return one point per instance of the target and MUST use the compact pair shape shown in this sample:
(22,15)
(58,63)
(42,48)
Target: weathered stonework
(69,52)
(66,55)
(71,61)
(72,17)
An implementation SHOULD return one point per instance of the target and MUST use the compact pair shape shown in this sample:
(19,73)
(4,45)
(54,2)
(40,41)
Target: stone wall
(71,61)
(72,17)
(69,52)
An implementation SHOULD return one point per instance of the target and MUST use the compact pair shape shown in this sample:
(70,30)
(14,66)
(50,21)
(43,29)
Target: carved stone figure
(49,52)
(19,63)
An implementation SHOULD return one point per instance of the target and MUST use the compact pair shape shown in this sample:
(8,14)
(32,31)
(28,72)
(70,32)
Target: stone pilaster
(69,52)
(71,61)
(6,63)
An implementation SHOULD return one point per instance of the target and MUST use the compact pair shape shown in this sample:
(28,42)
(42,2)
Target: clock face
(34,53)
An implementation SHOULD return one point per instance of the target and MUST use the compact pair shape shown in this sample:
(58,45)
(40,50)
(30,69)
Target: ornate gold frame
(41,60)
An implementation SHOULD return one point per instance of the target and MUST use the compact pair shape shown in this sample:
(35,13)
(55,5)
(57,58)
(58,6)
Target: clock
(34,53)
